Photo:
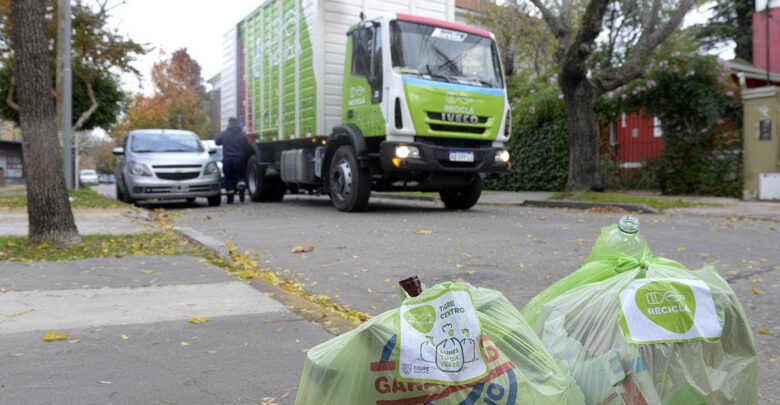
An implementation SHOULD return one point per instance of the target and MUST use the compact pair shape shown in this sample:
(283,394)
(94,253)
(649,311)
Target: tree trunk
(580,99)
(48,207)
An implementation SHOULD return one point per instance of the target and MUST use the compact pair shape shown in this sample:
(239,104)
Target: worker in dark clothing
(235,151)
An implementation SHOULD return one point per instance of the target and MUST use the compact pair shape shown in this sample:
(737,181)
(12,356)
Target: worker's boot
(230,196)
(241,190)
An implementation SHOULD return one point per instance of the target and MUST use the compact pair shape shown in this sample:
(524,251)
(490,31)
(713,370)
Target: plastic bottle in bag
(625,237)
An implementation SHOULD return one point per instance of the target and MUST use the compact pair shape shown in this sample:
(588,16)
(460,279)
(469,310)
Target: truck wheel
(279,188)
(215,200)
(350,185)
(462,198)
(257,183)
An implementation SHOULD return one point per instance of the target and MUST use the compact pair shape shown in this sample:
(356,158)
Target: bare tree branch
(10,99)
(558,27)
(92,108)
(614,77)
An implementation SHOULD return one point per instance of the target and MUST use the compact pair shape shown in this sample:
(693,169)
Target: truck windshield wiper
(142,150)
(434,75)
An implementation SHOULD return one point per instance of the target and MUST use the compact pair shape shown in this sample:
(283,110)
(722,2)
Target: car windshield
(88,172)
(148,143)
(444,54)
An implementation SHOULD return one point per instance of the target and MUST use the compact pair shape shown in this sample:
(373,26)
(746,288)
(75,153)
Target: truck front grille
(457,128)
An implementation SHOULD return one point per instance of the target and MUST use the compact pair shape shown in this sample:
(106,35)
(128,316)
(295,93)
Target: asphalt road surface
(358,258)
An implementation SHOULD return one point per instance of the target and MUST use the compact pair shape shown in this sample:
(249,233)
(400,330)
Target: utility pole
(179,117)
(65,86)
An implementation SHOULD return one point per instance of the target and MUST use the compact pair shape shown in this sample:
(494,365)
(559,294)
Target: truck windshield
(443,54)
(150,143)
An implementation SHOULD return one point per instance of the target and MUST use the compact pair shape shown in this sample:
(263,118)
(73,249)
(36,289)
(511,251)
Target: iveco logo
(465,118)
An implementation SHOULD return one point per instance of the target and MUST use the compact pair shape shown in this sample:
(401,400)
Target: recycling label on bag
(440,339)
(668,310)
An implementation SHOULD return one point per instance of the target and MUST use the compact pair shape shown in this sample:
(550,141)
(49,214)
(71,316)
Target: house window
(623,120)
(657,130)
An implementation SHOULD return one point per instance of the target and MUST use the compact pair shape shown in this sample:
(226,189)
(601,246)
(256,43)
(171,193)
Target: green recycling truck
(405,100)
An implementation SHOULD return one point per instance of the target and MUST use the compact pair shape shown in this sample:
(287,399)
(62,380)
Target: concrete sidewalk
(88,221)
(130,339)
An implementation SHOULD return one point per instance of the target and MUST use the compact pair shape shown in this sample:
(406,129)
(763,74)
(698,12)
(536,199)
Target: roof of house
(753,72)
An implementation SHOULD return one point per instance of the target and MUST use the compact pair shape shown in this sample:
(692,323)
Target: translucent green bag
(436,349)
(645,330)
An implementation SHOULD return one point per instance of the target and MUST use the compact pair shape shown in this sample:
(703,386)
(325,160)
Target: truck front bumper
(442,159)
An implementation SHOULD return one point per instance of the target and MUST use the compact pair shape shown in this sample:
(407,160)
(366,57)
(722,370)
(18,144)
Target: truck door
(362,94)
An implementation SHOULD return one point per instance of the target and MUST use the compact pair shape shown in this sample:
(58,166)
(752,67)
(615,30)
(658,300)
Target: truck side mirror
(509,63)
(118,151)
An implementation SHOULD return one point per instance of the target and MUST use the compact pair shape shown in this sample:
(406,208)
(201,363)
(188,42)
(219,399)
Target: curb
(582,205)
(196,237)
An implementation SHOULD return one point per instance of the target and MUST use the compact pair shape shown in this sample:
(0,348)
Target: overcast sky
(198,25)
(168,25)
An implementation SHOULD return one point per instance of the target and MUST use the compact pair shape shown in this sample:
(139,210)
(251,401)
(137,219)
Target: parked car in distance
(165,164)
(88,177)
(103,178)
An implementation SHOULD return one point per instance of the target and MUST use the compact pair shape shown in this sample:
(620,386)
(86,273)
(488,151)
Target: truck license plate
(459,156)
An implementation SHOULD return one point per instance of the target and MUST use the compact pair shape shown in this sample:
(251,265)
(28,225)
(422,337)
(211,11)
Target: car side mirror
(118,151)
(212,151)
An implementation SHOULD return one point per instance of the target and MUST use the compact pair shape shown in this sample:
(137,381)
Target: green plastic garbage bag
(645,330)
(453,344)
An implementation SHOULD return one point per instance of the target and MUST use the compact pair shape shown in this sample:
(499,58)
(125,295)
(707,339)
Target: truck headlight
(211,168)
(140,169)
(406,151)
(502,156)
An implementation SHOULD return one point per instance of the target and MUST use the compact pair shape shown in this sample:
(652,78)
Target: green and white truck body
(406,100)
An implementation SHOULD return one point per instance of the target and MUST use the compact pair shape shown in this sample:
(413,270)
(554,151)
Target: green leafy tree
(577,26)
(519,34)
(179,99)
(732,20)
(97,52)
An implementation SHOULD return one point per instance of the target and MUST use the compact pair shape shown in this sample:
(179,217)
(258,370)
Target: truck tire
(462,198)
(257,183)
(350,185)
(278,190)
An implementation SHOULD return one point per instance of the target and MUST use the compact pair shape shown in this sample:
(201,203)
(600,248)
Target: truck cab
(424,108)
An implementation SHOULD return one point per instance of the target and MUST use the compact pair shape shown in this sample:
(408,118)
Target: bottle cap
(629,224)
(411,285)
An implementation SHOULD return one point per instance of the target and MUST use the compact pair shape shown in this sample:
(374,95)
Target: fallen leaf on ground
(147,271)
(764,332)
(756,291)
(125,337)
(680,249)
(543,218)
(198,320)
(185,344)
(424,232)
(302,249)
(51,336)
(74,341)
(3,290)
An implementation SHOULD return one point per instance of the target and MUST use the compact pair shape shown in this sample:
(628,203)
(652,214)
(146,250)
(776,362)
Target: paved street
(359,258)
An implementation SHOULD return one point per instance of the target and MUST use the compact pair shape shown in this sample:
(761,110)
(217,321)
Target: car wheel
(350,185)
(215,200)
(119,195)
(462,198)
(279,188)
(126,197)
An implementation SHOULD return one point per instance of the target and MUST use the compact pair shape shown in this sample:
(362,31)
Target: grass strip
(659,203)
(17,248)
(82,198)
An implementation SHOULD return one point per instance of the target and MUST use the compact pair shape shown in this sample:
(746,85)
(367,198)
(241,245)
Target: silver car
(165,164)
